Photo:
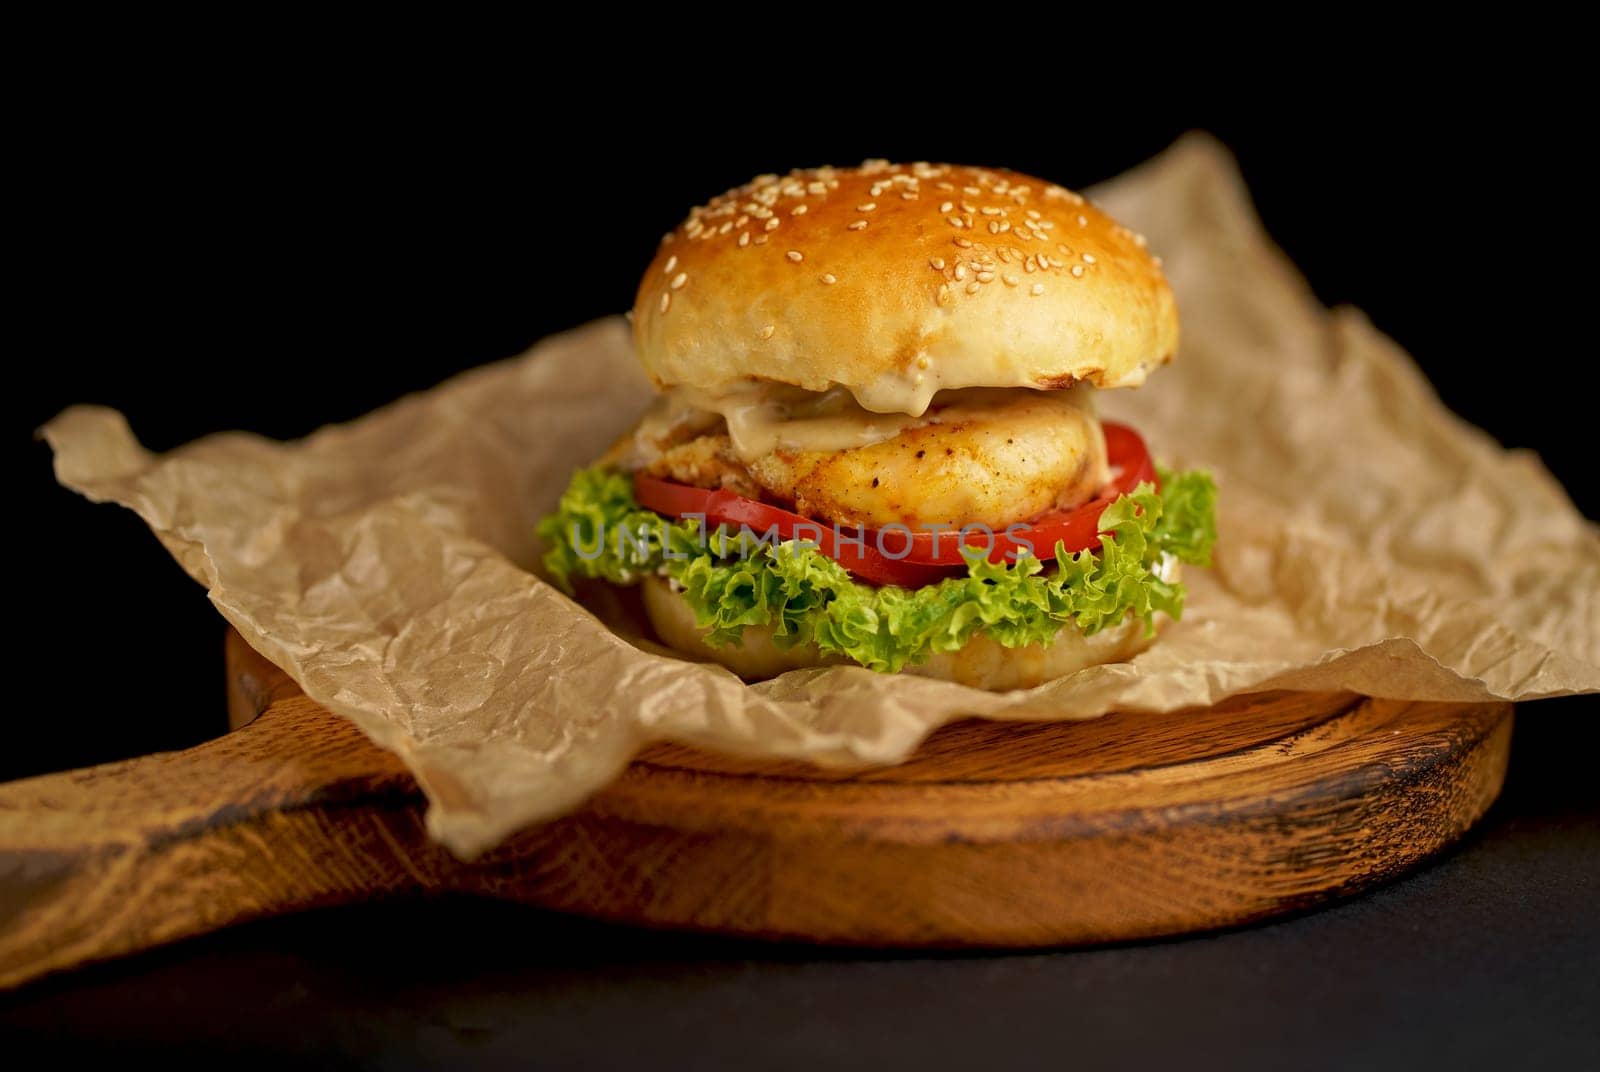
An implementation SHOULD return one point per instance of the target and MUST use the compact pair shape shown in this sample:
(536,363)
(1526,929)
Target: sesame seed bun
(896,281)
(981,663)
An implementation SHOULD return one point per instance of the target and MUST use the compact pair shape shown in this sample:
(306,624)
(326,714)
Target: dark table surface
(1488,957)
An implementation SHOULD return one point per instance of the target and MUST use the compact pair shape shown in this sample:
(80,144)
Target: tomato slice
(722,507)
(884,557)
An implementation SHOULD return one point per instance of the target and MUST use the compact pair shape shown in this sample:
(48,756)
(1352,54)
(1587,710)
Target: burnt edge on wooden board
(176,880)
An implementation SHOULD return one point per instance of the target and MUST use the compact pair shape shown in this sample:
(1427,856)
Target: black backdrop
(219,252)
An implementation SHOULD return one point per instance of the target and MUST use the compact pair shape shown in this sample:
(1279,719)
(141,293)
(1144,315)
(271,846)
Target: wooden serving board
(994,834)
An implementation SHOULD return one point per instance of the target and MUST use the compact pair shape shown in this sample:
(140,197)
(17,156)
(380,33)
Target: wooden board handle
(108,859)
(993,834)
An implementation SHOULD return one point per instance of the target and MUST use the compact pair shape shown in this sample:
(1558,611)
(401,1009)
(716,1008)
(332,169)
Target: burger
(876,441)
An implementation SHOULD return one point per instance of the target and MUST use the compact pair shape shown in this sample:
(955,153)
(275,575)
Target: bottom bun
(982,663)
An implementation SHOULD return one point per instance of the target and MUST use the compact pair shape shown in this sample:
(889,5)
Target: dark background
(213,241)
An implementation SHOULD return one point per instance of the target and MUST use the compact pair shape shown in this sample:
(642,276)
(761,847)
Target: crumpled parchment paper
(1369,541)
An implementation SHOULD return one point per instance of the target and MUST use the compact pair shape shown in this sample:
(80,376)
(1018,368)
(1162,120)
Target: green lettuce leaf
(732,580)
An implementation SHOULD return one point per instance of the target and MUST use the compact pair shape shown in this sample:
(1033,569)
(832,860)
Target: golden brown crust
(894,281)
(706,462)
(977,457)
(989,462)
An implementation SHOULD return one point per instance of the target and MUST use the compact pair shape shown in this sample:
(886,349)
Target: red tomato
(882,557)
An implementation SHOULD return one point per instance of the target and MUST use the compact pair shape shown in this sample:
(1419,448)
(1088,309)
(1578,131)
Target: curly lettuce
(733,580)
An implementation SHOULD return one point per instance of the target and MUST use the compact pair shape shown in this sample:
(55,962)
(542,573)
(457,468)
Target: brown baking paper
(1369,541)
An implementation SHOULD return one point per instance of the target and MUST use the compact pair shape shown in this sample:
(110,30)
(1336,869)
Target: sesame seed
(944,293)
(1083,221)
(725,228)
(986,277)
(954,221)
(1044,261)
(1088,258)
(990,210)
(744,238)
(964,243)
(961,272)
(907,195)
(817,187)
(772,224)
(1010,280)
(1031,264)
(766,332)
(1156,261)
(972,287)
(1140,240)
(795,255)
(1036,289)
(1077,271)
(1033,214)
(799,210)
(937,264)
(679,280)
(947,206)
(666,301)
(867,207)
(830,279)
(859,225)
(672,262)
(761,239)
(973,190)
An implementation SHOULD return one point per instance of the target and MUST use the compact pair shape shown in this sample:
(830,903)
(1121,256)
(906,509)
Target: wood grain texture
(994,834)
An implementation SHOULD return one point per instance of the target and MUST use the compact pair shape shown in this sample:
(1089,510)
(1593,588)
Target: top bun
(895,281)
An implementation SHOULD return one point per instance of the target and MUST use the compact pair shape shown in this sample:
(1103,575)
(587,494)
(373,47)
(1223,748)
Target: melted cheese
(764,417)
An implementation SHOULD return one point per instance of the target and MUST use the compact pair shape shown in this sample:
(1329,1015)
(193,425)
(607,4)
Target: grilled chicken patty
(976,457)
